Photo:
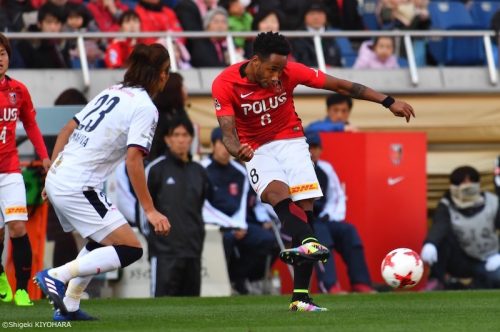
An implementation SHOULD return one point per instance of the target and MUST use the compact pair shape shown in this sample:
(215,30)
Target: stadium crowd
(222,16)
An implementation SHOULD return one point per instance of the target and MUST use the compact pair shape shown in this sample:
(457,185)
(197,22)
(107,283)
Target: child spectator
(377,54)
(79,19)
(119,49)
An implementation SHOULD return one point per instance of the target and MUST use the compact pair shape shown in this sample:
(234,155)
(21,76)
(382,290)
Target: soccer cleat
(5,290)
(22,298)
(308,252)
(305,305)
(53,289)
(73,315)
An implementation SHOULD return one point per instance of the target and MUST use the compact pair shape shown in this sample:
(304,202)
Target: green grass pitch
(475,311)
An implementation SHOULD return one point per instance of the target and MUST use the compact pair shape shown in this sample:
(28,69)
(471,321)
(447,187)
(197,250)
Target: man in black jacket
(246,244)
(315,20)
(179,187)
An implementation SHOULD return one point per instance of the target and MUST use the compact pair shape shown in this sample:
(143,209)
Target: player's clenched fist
(245,152)
(159,222)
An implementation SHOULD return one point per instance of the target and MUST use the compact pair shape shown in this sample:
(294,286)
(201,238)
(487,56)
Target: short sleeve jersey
(263,114)
(15,103)
(117,118)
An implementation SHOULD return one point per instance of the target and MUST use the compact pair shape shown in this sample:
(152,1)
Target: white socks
(99,260)
(76,287)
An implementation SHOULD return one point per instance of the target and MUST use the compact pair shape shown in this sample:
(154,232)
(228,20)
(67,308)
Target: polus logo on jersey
(264,105)
(8,114)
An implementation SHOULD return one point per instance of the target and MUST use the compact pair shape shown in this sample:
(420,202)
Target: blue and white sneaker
(73,315)
(53,289)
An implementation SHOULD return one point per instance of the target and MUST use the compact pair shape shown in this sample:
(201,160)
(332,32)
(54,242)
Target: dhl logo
(16,210)
(303,188)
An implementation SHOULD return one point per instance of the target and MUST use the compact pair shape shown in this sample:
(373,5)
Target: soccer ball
(402,268)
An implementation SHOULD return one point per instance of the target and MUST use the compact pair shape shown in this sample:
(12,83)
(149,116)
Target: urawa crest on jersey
(13,98)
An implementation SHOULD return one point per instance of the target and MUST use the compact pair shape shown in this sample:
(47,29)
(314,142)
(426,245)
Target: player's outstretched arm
(135,170)
(359,91)
(231,141)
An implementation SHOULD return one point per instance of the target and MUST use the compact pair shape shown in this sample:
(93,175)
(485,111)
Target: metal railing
(169,38)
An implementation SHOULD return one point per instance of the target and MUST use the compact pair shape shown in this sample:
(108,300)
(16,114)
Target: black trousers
(174,276)
(454,261)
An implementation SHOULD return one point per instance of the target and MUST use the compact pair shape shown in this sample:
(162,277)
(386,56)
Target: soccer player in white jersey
(119,122)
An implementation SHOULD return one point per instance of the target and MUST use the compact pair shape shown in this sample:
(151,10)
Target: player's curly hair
(268,43)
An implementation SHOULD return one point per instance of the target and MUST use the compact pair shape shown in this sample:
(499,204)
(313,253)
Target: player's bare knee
(128,254)
(275,192)
(17,228)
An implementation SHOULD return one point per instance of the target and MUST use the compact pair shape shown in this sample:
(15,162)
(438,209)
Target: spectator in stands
(258,217)
(246,244)
(344,14)
(315,20)
(179,187)
(171,104)
(204,6)
(11,14)
(264,21)
(189,16)
(338,111)
(293,10)
(155,16)
(79,19)
(333,231)
(107,13)
(377,54)
(463,240)
(119,49)
(212,52)
(403,14)
(239,20)
(46,53)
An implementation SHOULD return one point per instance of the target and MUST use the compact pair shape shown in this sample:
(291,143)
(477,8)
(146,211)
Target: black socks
(21,252)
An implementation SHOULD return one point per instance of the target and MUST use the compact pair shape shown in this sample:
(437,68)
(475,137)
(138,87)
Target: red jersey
(15,102)
(263,114)
(117,53)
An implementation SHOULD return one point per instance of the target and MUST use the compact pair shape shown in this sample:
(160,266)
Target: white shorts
(288,161)
(12,198)
(88,212)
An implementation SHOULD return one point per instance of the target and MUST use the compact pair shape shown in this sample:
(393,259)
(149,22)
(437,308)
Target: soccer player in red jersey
(15,102)
(254,106)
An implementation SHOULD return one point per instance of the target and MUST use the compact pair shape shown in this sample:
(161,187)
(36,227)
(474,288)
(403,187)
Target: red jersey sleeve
(301,74)
(27,116)
(221,96)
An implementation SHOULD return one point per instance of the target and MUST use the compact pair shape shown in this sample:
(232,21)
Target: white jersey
(114,120)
